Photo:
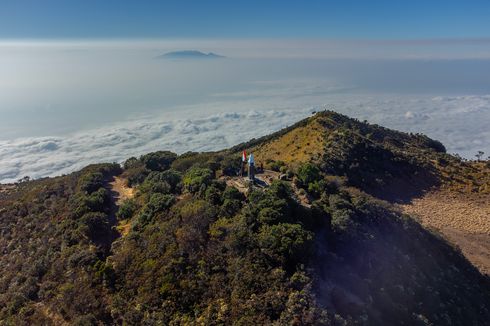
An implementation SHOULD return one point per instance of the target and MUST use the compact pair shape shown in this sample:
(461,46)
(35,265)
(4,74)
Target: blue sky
(348,19)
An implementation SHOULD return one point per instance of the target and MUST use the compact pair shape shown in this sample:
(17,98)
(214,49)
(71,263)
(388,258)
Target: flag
(244,156)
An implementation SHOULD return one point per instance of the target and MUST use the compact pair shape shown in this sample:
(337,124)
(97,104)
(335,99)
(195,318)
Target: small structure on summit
(251,168)
(244,162)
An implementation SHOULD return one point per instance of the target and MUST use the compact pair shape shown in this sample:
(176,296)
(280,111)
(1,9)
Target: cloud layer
(461,123)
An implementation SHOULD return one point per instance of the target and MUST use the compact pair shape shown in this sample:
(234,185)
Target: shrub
(132,163)
(342,212)
(308,173)
(95,225)
(316,188)
(230,165)
(136,175)
(127,209)
(213,194)
(280,189)
(232,193)
(158,161)
(288,243)
(163,182)
(195,178)
(157,203)
(230,207)
(91,182)
(276,165)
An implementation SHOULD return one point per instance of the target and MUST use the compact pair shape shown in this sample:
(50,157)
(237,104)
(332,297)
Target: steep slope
(195,250)
(446,193)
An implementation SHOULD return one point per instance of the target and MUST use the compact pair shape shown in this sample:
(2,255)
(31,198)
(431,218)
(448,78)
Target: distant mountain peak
(189,54)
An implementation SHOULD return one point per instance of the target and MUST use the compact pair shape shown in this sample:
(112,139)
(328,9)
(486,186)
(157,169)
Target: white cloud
(461,123)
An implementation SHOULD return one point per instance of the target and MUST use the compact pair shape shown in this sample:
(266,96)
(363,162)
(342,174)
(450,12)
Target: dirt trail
(464,219)
(121,192)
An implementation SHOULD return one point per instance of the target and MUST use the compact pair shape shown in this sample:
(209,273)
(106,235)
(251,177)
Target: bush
(232,193)
(95,225)
(276,165)
(342,212)
(158,161)
(132,163)
(127,209)
(230,165)
(230,207)
(316,188)
(136,175)
(280,189)
(213,193)
(195,178)
(308,173)
(91,182)
(157,203)
(162,182)
(288,243)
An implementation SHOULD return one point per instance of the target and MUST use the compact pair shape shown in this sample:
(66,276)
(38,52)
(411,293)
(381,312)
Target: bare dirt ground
(463,219)
(264,180)
(121,192)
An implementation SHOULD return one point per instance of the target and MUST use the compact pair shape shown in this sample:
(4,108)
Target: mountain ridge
(190,54)
(181,239)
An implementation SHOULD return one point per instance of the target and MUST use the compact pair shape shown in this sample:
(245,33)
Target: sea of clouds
(461,123)
(66,104)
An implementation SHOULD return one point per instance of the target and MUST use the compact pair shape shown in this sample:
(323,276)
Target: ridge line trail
(120,192)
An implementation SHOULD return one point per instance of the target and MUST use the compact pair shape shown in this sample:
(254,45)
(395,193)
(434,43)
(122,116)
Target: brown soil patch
(121,190)
(124,227)
(463,219)
(264,180)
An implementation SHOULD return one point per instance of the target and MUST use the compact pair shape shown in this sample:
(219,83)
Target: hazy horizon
(63,102)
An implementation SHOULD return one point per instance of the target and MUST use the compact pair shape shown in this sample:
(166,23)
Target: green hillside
(185,247)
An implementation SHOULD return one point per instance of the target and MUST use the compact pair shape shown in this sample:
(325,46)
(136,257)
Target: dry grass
(297,146)
(121,190)
(466,177)
(123,227)
(464,219)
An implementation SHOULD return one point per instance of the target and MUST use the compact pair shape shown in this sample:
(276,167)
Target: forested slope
(199,252)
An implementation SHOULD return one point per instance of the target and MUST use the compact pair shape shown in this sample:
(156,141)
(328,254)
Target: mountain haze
(189,54)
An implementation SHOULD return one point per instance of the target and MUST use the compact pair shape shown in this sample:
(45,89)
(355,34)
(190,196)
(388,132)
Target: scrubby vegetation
(200,252)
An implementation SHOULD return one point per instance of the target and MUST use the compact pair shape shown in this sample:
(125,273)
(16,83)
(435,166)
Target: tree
(158,161)
(196,178)
(308,173)
(288,243)
(479,155)
(163,182)
(157,203)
